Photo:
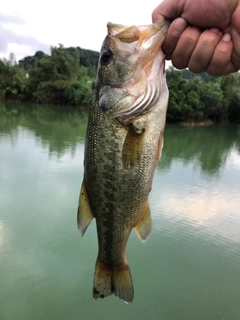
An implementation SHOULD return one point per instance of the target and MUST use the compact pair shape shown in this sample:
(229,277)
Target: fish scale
(121,151)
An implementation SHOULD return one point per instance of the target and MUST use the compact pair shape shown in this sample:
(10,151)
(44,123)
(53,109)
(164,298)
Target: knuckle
(195,67)
(222,52)
(154,15)
(179,62)
(209,39)
(190,36)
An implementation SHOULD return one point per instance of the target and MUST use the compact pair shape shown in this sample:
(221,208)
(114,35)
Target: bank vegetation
(67,76)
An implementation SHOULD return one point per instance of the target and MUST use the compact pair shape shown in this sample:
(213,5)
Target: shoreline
(185,123)
(192,123)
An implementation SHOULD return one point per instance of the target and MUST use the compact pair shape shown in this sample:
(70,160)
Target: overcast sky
(28,26)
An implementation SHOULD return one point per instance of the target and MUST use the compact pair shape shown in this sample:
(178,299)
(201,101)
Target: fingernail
(179,25)
(226,37)
(215,30)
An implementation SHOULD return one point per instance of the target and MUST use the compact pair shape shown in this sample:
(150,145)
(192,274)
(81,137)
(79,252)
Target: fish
(123,145)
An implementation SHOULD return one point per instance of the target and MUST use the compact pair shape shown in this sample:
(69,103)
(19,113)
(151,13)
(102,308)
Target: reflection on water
(208,147)
(188,269)
(57,129)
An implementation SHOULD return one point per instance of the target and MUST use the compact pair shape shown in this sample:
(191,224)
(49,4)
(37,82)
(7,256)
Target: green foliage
(6,73)
(201,97)
(212,97)
(31,61)
(184,102)
(88,58)
(59,78)
(188,75)
(50,91)
(78,94)
(67,76)
(12,78)
(230,86)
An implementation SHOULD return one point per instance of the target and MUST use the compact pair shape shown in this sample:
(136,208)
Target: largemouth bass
(123,144)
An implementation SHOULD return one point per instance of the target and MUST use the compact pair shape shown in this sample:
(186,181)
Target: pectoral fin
(84,215)
(132,148)
(144,226)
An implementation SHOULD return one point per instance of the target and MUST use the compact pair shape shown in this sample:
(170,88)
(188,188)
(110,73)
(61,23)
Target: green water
(189,269)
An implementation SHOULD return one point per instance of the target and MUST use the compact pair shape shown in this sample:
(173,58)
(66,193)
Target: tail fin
(113,280)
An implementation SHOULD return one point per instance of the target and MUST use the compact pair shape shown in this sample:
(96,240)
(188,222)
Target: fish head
(131,70)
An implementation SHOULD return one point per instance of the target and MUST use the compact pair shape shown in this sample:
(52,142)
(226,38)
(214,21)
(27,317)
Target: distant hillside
(67,76)
(88,58)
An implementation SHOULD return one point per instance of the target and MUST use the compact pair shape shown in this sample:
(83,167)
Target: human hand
(205,35)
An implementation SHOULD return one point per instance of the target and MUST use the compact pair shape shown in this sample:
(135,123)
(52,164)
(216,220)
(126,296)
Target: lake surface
(189,269)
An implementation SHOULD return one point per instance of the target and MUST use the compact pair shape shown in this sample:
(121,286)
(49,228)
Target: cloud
(10,19)
(22,44)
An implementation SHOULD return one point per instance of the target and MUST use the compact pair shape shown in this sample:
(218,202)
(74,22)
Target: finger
(167,10)
(157,17)
(220,63)
(185,47)
(236,38)
(175,30)
(204,50)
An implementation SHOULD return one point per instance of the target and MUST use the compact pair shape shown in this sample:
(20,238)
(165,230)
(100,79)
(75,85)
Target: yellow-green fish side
(120,159)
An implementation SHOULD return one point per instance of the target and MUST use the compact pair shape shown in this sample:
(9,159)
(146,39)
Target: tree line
(202,97)
(67,77)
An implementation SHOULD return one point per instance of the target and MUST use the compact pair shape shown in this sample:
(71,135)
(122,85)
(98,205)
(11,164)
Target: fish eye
(106,56)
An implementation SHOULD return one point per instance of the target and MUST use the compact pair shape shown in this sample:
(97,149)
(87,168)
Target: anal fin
(84,215)
(144,226)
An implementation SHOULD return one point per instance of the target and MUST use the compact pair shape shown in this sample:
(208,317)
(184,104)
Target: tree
(30,62)
(12,59)
(230,86)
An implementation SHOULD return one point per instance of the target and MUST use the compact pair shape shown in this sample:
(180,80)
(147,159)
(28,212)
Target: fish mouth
(131,33)
(141,95)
